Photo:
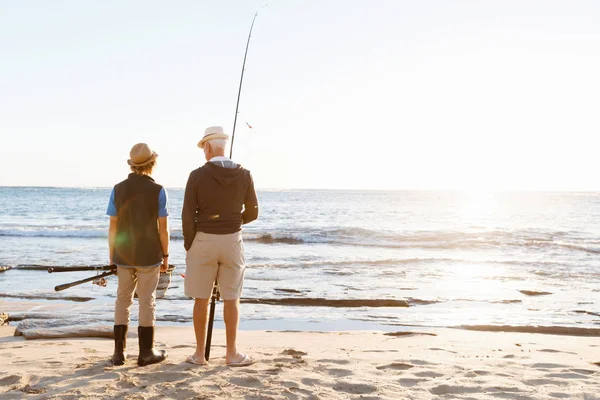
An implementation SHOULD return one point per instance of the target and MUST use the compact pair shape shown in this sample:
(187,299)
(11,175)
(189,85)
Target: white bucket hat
(212,132)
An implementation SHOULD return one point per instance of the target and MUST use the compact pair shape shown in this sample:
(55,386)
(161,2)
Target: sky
(459,95)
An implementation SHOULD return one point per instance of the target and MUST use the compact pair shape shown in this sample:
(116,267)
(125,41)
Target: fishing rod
(215,293)
(83,268)
(91,278)
(98,279)
(240,88)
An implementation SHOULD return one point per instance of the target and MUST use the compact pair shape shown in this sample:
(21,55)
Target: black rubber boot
(119,355)
(148,354)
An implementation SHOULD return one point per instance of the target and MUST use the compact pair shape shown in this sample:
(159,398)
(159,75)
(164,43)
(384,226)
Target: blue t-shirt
(163,204)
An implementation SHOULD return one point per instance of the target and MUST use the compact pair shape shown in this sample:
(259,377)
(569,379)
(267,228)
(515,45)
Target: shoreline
(36,311)
(314,365)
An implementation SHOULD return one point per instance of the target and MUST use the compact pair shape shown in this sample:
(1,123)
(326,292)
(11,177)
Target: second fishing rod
(215,292)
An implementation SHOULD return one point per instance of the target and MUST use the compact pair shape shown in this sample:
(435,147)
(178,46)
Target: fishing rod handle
(83,268)
(91,278)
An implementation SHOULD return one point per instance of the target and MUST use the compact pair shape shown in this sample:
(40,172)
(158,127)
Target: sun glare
(478,205)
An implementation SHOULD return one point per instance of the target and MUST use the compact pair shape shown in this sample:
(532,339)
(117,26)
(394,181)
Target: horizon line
(344,189)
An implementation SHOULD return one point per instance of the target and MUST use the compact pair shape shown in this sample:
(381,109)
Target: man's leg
(200,319)
(231,317)
(146,290)
(147,283)
(200,274)
(231,280)
(127,283)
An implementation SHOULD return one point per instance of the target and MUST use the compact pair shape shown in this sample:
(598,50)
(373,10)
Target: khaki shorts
(215,257)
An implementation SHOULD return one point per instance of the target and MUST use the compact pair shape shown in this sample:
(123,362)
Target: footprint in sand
(338,372)
(307,394)
(555,351)
(428,374)
(410,382)
(582,371)
(438,349)
(559,395)
(279,362)
(448,389)
(548,365)
(354,388)
(503,390)
(126,382)
(540,382)
(32,390)
(272,371)
(568,375)
(339,362)
(246,381)
(396,366)
(10,380)
(311,382)
(162,376)
(421,362)
(292,352)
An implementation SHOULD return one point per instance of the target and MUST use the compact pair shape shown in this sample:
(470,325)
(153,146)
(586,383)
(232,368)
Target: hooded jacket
(218,200)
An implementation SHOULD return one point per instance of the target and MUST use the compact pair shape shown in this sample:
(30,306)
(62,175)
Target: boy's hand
(165,265)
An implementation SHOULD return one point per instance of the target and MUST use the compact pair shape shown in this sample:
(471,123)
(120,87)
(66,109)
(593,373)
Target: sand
(444,364)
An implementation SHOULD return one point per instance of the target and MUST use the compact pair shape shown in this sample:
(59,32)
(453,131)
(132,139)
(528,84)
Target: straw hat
(141,155)
(212,132)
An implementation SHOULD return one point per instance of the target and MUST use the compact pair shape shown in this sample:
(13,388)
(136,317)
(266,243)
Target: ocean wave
(269,239)
(57,232)
(360,237)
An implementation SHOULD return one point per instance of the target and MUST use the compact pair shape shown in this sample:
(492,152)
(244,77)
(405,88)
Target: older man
(138,241)
(219,199)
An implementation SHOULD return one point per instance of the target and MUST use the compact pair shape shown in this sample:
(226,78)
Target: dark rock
(320,302)
(534,293)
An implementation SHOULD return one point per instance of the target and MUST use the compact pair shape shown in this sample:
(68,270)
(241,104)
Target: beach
(426,364)
(409,209)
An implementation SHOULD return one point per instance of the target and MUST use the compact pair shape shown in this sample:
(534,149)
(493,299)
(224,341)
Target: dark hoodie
(218,200)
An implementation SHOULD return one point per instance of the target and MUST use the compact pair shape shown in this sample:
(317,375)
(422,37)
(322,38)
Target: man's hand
(165,265)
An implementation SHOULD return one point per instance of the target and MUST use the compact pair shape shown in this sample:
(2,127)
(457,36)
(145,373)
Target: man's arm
(250,204)
(188,213)
(163,227)
(112,235)
(163,232)
(111,210)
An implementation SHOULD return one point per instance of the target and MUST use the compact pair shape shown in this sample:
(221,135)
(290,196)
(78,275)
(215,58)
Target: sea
(338,260)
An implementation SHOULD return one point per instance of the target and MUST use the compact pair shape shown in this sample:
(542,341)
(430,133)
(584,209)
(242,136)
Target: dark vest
(137,243)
